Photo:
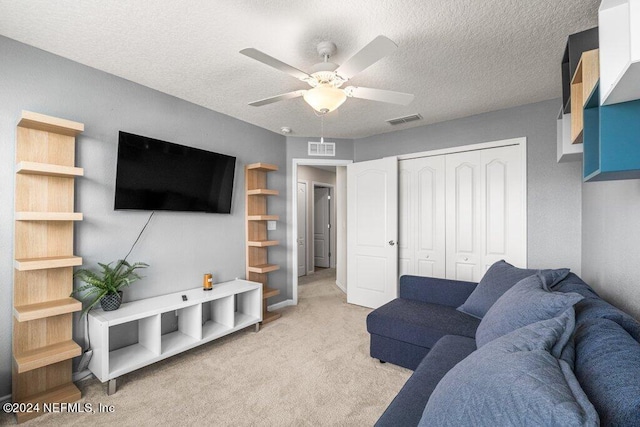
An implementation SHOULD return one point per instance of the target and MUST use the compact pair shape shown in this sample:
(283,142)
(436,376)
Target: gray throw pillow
(500,277)
(525,303)
(514,381)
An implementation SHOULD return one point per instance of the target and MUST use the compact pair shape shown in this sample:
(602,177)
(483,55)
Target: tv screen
(158,175)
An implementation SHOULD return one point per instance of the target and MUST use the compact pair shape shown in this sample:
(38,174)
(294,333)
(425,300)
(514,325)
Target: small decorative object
(207,283)
(104,287)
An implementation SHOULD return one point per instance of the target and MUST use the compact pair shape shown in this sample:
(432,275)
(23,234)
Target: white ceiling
(459,57)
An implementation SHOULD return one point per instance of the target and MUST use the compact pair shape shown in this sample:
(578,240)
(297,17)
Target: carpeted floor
(311,367)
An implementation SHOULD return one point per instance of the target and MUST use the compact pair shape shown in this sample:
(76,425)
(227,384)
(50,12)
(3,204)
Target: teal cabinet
(611,140)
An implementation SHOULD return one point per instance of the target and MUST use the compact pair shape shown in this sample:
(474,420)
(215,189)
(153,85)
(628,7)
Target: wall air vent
(325,149)
(405,119)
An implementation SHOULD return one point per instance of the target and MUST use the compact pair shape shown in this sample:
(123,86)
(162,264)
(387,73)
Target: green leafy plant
(107,281)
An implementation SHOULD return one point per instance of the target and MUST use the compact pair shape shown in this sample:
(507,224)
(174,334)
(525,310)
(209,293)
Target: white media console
(204,316)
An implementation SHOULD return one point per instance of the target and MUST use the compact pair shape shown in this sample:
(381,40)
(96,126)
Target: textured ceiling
(459,57)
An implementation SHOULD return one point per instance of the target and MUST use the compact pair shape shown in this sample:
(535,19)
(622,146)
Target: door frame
(306,214)
(520,141)
(294,204)
(332,191)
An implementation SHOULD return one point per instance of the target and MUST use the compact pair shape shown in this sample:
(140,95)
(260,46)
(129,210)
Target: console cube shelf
(203,317)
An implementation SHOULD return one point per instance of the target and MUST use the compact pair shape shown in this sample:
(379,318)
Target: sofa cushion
(419,323)
(406,408)
(593,307)
(526,302)
(495,282)
(608,368)
(513,380)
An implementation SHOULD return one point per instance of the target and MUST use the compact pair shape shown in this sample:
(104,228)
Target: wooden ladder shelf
(258,243)
(43,276)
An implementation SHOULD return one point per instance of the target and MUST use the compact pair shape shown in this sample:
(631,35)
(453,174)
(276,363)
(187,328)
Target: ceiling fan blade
(379,95)
(271,100)
(275,63)
(368,55)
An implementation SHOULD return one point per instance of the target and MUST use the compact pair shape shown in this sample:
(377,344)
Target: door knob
(466,259)
(391,243)
(427,257)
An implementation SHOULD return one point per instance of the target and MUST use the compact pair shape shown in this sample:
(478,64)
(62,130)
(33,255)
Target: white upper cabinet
(619,22)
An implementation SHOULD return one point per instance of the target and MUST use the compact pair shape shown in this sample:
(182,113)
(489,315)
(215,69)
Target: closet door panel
(430,217)
(422,217)
(503,207)
(463,228)
(406,255)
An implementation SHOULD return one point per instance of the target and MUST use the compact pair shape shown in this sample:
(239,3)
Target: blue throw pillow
(608,368)
(514,380)
(525,303)
(500,277)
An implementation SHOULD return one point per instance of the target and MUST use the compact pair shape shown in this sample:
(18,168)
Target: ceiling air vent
(326,149)
(405,119)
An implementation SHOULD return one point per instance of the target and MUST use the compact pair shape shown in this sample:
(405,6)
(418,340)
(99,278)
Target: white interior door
(302,228)
(422,217)
(463,229)
(503,207)
(372,229)
(321,227)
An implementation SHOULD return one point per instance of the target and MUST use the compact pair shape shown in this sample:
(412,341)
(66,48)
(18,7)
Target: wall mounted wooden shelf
(263,192)
(262,167)
(47,355)
(35,168)
(582,86)
(48,216)
(49,124)
(47,262)
(262,243)
(263,268)
(263,218)
(41,310)
(258,243)
(44,261)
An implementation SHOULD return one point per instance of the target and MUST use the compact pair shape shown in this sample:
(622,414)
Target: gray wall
(554,203)
(180,247)
(610,237)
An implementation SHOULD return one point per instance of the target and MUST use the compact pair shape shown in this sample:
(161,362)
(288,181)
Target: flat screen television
(159,175)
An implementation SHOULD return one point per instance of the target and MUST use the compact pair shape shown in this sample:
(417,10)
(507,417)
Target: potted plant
(105,286)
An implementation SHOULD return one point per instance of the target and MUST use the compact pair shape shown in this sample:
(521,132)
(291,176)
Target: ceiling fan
(326,77)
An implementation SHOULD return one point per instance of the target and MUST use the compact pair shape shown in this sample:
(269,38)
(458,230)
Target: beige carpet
(311,367)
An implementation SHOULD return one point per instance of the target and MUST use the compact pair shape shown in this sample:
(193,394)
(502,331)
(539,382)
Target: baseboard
(5,399)
(341,286)
(285,303)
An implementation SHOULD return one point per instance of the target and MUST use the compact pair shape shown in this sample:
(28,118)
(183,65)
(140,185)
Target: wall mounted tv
(158,175)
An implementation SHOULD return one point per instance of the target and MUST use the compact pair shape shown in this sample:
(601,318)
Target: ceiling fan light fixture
(324,98)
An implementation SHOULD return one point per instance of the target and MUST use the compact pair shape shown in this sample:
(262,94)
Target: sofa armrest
(452,293)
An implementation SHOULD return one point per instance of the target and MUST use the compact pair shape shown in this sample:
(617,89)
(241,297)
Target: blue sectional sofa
(423,330)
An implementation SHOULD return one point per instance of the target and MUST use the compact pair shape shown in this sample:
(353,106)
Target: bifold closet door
(421,241)
(463,192)
(485,211)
